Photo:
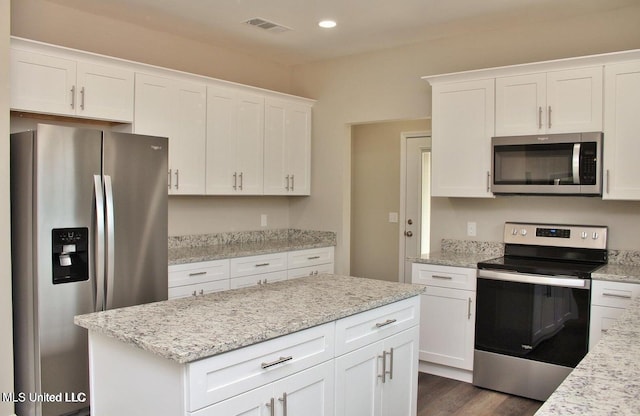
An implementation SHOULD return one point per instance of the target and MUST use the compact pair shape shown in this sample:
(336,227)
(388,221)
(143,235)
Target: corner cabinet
(447,321)
(287,148)
(621,126)
(175,109)
(554,102)
(463,124)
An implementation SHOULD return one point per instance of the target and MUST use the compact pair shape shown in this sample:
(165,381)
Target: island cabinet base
(366,362)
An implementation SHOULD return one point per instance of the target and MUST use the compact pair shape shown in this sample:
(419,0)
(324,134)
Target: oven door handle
(562,281)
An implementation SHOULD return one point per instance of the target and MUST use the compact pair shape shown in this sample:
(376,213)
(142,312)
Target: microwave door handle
(576,164)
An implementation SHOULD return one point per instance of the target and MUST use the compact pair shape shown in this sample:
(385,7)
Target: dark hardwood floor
(439,396)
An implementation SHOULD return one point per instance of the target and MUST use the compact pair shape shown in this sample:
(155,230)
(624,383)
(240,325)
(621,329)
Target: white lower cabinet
(380,378)
(309,393)
(195,279)
(608,301)
(447,320)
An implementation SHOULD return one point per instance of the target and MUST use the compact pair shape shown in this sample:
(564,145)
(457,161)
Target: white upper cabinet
(175,109)
(463,124)
(235,140)
(553,102)
(622,132)
(287,152)
(55,85)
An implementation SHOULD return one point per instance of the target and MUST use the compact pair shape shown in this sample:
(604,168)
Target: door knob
(408,233)
(410,221)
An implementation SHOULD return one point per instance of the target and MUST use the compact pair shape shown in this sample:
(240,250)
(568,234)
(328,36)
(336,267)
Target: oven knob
(584,235)
(595,236)
(523,232)
(514,231)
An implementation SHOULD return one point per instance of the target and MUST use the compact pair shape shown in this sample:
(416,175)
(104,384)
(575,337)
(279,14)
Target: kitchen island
(299,344)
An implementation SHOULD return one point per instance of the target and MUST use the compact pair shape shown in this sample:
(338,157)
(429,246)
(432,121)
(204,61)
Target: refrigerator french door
(89,232)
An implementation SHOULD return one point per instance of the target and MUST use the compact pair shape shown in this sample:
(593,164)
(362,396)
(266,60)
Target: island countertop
(188,329)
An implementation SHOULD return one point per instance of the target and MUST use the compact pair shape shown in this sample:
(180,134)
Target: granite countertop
(607,380)
(189,329)
(198,248)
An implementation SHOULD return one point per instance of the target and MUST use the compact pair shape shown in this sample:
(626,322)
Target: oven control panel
(578,236)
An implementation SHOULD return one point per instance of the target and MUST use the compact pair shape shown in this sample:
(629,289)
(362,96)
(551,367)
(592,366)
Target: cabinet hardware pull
(315,273)
(73,97)
(615,295)
(384,366)
(177,178)
(540,118)
(264,281)
(241,181)
(197,273)
(202,291)
(287,179)
(435,276)
(469,309)
(293,183)
(607,180)
(194,293)
(82,98)
(272,407)
(313,258)
(284,404)
(385,323)
(235,181)
(488,181)
(169,180)
(262,264)
(549,118)
(390,363)
(276,362)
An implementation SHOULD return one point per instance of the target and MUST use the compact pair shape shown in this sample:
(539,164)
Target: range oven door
(534,317)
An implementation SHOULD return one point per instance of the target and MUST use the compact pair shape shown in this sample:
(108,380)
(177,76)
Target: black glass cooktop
(541,266)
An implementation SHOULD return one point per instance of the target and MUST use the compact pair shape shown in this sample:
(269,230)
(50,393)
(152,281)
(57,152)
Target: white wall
(386,85)
(6,344)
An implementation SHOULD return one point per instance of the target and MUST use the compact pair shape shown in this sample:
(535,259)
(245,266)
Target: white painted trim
(403,182)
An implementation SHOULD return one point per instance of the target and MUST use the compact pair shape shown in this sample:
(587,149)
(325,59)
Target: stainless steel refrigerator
(89,232)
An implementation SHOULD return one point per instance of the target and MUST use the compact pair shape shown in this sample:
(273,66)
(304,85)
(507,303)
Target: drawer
(613,294)
(246,266)
(199,289)
(192,273)
(444,276)
(310,271)
(368,327)
(219,377)
(310,257)
(257,279)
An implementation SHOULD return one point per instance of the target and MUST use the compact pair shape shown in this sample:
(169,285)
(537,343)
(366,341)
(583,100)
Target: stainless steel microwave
(553,164)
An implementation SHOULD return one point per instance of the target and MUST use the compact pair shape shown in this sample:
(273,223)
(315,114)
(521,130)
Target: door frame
(403,184)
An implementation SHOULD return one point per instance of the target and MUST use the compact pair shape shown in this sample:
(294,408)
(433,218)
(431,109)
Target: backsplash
(490,248)
(624,257)
(241,237)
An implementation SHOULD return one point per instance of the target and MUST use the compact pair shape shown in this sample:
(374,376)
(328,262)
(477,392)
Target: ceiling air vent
(267,25)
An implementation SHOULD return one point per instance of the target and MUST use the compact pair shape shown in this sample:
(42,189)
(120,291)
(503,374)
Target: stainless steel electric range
(532,307)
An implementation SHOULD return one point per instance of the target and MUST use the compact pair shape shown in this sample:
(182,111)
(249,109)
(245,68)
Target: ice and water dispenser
(70,254)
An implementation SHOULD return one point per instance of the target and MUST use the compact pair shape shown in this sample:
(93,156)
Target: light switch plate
(393,217)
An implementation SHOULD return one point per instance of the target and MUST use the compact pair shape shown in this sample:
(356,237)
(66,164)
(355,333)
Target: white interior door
(415,199)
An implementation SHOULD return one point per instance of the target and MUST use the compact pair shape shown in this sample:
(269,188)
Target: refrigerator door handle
(98,252)
(110,234)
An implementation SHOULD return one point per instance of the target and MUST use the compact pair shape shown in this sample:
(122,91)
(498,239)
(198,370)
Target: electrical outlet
(471,229)
(393,217)
(263,220)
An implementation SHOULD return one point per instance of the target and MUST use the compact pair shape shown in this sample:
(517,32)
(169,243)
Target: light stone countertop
(607,380)
(188,329)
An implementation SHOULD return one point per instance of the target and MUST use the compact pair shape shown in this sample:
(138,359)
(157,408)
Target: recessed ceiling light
(327,24)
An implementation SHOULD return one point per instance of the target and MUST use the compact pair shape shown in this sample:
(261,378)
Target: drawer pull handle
(197,273)
(262,264)
(385,323)
(435,276)
(313,258)
(276,362)
(615,295)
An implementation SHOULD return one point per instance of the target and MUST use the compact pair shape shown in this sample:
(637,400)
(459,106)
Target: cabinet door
(621,127)
(42,83)
(221,146)
(250,144)
(104,92)
(447,325)
(521,104)
(574,100)
(309,392)
(187,150)
(400,389)
(287,148)
(257,402)
(153,103)
(463,124)
(359,382)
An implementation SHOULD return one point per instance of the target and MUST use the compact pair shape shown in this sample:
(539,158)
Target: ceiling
(363,25)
